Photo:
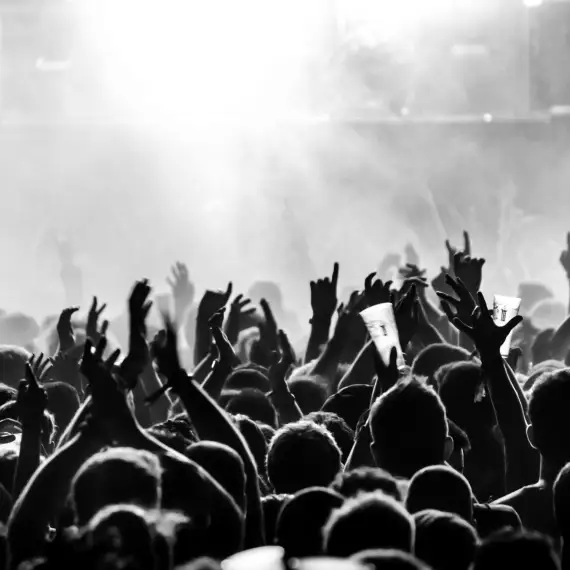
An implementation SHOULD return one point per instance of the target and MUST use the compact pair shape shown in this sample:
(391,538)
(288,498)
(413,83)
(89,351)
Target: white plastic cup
(262,558)
(381,324)
(504,309)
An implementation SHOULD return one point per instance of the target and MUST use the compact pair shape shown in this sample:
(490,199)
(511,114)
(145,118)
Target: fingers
(229,290)
(513,323)
(447,310)
(269,317)
(448,299)
(30,376)
(368,281)
(482,303)
(467,243)
(112,360)
(450,248)
(104,328)
(334,280)
(101,346)
(460,325)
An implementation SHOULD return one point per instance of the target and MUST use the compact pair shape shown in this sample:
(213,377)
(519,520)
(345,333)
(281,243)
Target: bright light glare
(203,59)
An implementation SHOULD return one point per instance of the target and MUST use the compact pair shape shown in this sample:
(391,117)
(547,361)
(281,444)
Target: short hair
(409,429)
(224,465)
(434,356)
(300,522)
(520,549)
(272,505)
(366,480)
(549,416)
(13,364)
(442,488)
(310,395)
(248,377)
(463,392)
(63,402)
(116,475)
(254,404)
(179,424)
(444,540)
(255,439)
(562,500)
(342,433)
(388,560)
(349,403)
(301,455)
(370,521)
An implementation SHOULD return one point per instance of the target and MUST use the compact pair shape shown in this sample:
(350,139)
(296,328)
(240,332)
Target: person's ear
(448,448)
(530,435)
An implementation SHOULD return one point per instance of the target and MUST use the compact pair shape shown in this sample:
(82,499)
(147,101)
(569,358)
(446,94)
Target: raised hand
(182,289)
(376,292)
(92,330)
(487,336)
(349,322)
(224,347)
(386,376)
(565,257)
(406,313)
(40,368)
(31,401)
(469,270)
(239,311)
(65,329)
(213,301)
(165,350)
(138,356)
(453,251)
(268,330)
(282,362)
(464,305)
(324,298)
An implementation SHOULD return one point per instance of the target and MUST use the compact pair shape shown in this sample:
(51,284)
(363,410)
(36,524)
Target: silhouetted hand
(407,318)
(225,350)
(182,289)
(31,401)
(268,330)
(239,311)
(386,376)
(282,362)
(65,329)
(514,355)
(324,298)
(565,257)
(165,350)
(453,251)
(92,330)
(463,306)
(213,301)
(487,336)
(376,292)
(469,270)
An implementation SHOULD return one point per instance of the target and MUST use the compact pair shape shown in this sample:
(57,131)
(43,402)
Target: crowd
(216,441)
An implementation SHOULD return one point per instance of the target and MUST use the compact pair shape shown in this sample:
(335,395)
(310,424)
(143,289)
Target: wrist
(320,320)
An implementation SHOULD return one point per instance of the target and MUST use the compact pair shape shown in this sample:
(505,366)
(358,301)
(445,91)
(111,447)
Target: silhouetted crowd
(224,434)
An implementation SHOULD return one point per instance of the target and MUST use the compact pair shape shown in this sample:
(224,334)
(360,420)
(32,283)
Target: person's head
(549,431)
(521,550)
(249,377)
(301,455)
(118,475)
(224,465)
(461,445)
(253,404)
(409,429)
(343,435)
(562,501)
(272,505)
(255,439)
(13,364)
(388,560)
(434,356)
(369,521)
(310,395)
(63,403)
(349,403)
(300,522)
(441,488)
(366,480)
(444,541)
(463,392)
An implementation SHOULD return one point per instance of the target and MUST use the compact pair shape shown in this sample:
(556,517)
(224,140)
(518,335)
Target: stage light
(204,60)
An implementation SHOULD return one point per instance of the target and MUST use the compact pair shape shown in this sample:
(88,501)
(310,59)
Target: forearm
(202,340)
(362,369)
(327,364)
(360,455)
(75,423)
(201,372)
(437,320)
(29,457)
(318,338)
(286,405)
(160,409)
(214,383)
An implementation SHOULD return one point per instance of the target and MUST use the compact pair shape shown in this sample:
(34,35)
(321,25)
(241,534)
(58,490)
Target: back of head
(300,522)
(116,476)
(13,364)
(255,438)
(388,560)
(409,428)
(349,403)
(18,329)
(253,404)
(462,391)
(243,378)
(272,505)
(562,500)
(434,356)
(440,488)
(224,465)
(366,480)
(63,402)
(301,455)
(444,541)
(370,521)
(520,550)
(548,413)
(310,395)
(342,433)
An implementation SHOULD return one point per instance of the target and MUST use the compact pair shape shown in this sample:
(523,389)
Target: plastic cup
(504,309)
(381,324)
(262,558)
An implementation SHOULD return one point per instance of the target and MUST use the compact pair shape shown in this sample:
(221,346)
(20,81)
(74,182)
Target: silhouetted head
(253,404)
(366,480)
(342,433)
